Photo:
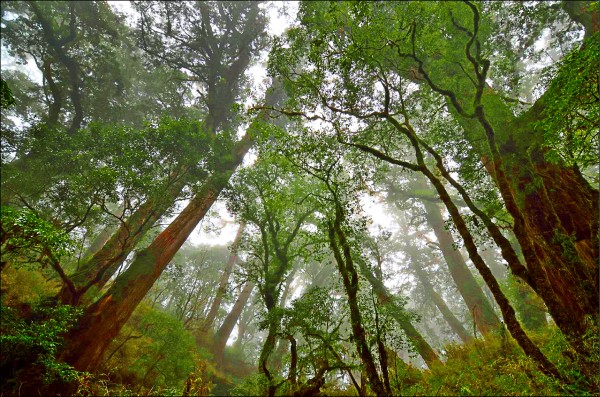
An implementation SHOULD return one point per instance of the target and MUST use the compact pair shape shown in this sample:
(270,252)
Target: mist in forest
(235,198)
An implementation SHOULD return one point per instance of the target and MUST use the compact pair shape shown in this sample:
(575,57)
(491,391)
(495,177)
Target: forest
(314,198)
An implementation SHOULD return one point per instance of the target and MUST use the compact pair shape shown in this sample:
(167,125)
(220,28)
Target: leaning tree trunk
(222,335)
(103,320)
(479,306)
(222,290)
(98,268)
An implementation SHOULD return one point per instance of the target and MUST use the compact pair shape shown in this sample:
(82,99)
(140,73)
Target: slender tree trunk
(350,280)
(222,335)
(450,318)
(480,307)
(386,299)
(222,290)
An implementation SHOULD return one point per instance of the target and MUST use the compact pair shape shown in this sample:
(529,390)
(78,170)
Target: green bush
(497,366)
(28,346)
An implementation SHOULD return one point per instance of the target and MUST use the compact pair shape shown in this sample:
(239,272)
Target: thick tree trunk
(101,266)
(479,306)
(103,320)
(222,290)
(450,318)
(222,335)
(555,210)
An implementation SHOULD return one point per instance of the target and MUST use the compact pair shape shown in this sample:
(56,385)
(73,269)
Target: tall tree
(367,77)
(224,331)
(279,211)
(222,290)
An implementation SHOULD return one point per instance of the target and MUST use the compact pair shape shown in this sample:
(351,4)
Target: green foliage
(154,349)
(570,125)
(495,366)
(26,285)
(27,238)
(531,310)
(6,97)
(33,342)
(253,385)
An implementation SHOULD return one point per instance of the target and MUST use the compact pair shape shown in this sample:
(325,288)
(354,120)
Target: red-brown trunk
(104,319)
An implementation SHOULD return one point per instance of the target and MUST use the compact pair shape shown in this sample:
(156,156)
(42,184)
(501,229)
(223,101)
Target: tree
(368,80)
(278,203)
(222,290)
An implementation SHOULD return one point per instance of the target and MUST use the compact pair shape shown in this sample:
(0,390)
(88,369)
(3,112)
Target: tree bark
(222,290)
(222,335)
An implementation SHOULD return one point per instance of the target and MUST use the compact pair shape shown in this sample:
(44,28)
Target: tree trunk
(347,270)
(555,210)
(100,267)
(386,299)
(222,335)
(479,306)
(450,318)
(245,319)
(282,343)
(507,310)
(103,320)
(222,290)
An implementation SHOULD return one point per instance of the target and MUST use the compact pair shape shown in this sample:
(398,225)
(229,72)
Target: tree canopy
(413,185)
